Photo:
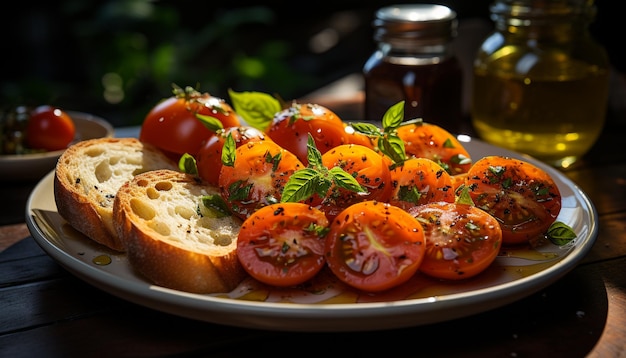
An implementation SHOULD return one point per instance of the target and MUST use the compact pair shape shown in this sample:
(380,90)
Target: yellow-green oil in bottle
(540,85)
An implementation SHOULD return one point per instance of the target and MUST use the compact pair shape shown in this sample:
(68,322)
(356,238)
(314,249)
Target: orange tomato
(521,196)
(425,140)
(257,176)
(368,168)
(461,240)
(374,246)
(209,157)
(420,181)
(283,244)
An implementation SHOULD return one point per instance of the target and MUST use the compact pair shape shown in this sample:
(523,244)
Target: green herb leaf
(256,108)
(368,129)
(229,151)
(463,197)
(392,146)
(214,206)
(393,118)
(344,180)
(212,123)
(300,186)
(187,164)
(314,156)
(560,234)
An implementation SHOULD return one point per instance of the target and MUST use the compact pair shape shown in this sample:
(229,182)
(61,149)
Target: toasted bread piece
(171,238)
(88,175)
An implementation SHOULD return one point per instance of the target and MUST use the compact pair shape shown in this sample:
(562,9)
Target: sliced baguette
(88,175)
(171,238)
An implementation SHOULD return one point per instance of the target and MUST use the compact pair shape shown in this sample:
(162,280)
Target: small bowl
(21,167)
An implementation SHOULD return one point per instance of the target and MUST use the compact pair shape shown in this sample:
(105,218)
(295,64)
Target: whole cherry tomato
(461,240)
(49,128)
(283,244)
(521,196)
(290,129)
(374,246)
(209,157)
(173,126)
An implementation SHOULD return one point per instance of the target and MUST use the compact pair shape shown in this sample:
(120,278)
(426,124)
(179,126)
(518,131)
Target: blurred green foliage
(118,58)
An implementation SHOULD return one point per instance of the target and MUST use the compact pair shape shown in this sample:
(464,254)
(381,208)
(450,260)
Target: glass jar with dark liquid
(415,62)
(541,82)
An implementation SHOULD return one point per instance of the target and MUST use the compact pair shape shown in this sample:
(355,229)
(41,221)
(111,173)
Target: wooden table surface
(46,311)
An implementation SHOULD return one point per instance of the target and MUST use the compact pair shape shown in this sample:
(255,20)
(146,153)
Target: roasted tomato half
(521,196)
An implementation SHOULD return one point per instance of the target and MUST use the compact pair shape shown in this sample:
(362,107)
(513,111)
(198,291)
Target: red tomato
(209,157)
(290,129)
(424,140)
(374,246)
(461,240)
(370,170)
(172,124)
(49,128)
(522,197)
(420,181)
(257,177)
(283,244)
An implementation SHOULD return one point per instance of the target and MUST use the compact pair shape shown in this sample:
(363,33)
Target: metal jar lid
(422,22)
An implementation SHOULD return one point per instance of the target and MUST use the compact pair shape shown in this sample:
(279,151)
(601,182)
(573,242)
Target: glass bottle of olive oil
(541,82)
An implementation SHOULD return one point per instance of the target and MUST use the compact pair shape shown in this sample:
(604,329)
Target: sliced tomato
(209,157)
(374,246)
(419,181)
(49,128)
(425,140)
(283,244)
(521,196)
(173,126)
(257,176)
(370,170)
(290,129)
(461,240)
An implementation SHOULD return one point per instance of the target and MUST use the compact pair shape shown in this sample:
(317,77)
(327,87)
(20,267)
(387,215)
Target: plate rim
(324,316)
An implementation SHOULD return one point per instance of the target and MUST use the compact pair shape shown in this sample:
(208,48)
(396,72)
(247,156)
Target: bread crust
(168,241)
(88,175)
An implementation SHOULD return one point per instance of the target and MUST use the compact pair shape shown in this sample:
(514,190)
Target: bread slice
(88,175)
(171,238)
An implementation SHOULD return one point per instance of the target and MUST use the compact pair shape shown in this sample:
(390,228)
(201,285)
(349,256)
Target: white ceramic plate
(322,307)
(35,166)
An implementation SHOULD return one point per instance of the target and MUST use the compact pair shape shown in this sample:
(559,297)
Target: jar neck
(415,49)
(560,20)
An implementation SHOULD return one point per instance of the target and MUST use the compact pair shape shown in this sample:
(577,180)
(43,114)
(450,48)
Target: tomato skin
(290,129)
(209,157)
(49,128)
(370,170)
(425,140)
(461,240)
(172,125)
(277,245)
(420,181)
(258,176)
(374,246)
(521,196)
